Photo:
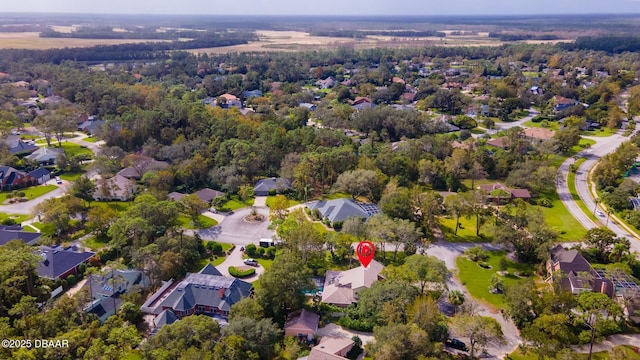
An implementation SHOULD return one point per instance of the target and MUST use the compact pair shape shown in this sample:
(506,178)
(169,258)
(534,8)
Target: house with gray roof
(338,210)
(45,155)
(206,292)
(59,262)
(265,186)
(166,317)
(116,188)
(14,232)
(41,175)
(17,146)
(11,178)
(105,290)
(575,274)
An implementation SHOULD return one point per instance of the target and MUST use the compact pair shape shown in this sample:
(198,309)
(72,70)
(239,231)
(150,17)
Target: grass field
(215,262)
(94,244)
(72,149)
(477,280)
(18,218)
(560,219)
(204,222)
(292,202)
(91,139)
(32,41)
(235,203)
(602,132)
(466,232)
(30,193)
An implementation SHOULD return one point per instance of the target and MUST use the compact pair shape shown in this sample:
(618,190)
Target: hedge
(235,272)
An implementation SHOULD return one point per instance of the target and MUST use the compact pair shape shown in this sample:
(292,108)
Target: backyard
(29,193)
(477,279)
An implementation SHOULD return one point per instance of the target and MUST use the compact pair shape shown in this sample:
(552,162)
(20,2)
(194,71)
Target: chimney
(221,292)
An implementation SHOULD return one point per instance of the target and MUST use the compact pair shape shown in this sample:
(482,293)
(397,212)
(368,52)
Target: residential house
(166,317)
(538,134)
(137,172)
(14,232)
(575,274)
(117,188)
(327,83)
(500,143)
(207,195)
(302,323)
(229,101)
(176,196)
(11,178)
(41,175)
(107,288)
(561,103)
(251,94)
(59,262)
(341,288)
(331,348)
(92,125)
(268,186)
(536,90)
(45,155)
(19,147)
(207,292)
(337,210)
(500,193)
(311,107)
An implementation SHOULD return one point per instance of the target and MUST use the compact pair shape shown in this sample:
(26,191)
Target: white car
(251,262)
(58,180)
(600,213)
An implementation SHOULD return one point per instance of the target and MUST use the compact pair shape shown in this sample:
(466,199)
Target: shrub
(250,250)
(271,252)
(260,251)
(21,194)
(272,192)
(338,225)
(8,222)
(71,280)
(545,202)
(476,253)
(214,247)
(239,273)
(484,265)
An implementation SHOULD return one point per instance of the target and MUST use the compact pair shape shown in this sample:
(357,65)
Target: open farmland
(32,41)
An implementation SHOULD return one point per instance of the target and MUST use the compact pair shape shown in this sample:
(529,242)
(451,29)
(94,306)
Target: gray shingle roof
(8,233)
(39,172)
(341,209)
(265,185)
(57,260)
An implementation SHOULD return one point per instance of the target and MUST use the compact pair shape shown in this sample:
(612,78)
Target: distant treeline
(122,52)
(611,43)
(518,37)
(358,34)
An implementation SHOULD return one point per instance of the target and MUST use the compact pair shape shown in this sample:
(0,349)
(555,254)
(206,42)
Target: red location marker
(365,251)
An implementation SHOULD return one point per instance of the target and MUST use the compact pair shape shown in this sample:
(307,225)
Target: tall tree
(358,183)
(478,329)
(83,188)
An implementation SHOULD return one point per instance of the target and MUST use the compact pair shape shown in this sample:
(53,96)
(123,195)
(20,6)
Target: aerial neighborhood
(178,198)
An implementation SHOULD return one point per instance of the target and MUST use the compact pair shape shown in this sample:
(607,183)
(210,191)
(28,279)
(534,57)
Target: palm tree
(456,298)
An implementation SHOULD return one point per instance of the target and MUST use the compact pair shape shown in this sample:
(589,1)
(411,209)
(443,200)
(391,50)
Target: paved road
(235,230)
(235,259)
(448,252)
(508,125)
(602,147)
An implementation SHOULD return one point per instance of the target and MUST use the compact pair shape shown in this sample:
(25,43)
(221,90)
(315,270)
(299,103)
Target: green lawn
(477,279)
(91,139)
(560,219)
(531,74)
(45,229)
(31,192)
(235,203)
(292,202)
(72,149)
(94,244)
(583,144)
(216,261)
(466,232)
(18,218)
(478,131)
(71,176)
(551,125)
(119,206)
(204,222)
(602,132)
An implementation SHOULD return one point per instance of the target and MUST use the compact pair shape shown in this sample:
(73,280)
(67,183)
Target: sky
(326,7)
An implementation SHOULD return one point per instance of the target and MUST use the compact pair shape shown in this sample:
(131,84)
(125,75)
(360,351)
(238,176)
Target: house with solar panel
(337,211)
(207,292)
(106,289)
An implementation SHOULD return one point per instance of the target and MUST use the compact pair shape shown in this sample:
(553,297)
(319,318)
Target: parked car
(58,180)
(241,248)
(456,344)
(251,262)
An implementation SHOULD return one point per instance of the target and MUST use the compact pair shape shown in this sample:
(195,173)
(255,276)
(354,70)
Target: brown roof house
(499,143)
(501,194)
(341,288)
(574,272)
(302,322)
(539,134)
(331,348)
